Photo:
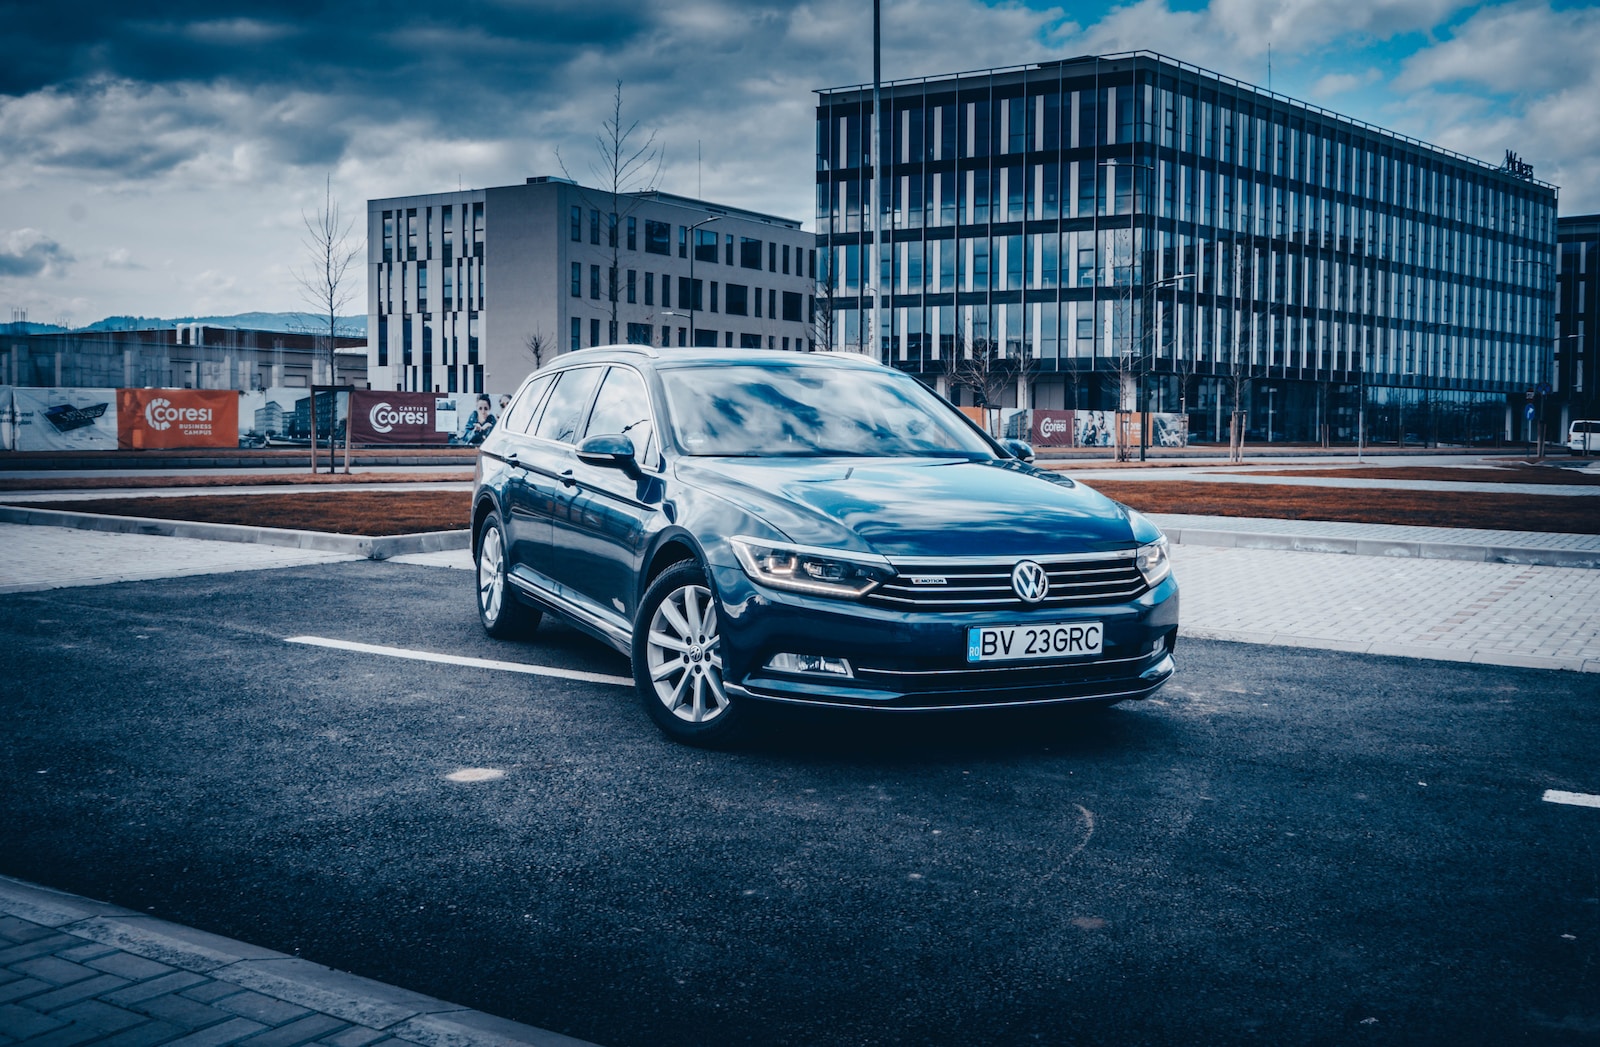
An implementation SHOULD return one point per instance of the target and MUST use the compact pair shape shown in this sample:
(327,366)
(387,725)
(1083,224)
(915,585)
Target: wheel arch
(481,508)
(674,547)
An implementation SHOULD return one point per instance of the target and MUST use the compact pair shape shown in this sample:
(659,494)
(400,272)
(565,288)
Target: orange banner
(165,418)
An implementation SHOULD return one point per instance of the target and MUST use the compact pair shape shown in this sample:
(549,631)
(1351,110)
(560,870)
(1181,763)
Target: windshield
(777,410)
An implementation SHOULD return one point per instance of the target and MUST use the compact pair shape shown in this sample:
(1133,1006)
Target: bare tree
(620,168)
(536,344)
(326,285)
(1074,379)
(823,315)
(1242,368)
(982,365)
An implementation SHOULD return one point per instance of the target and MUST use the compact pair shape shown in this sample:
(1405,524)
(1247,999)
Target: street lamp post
(1549,345)
(1173,282)
(672,312)
(694,288)
(1361,408)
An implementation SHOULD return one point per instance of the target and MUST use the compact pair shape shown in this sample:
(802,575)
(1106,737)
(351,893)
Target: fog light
(809,663)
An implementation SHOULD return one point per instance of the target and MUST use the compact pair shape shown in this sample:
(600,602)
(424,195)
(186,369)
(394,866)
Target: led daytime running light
(1153,561)
(815,571)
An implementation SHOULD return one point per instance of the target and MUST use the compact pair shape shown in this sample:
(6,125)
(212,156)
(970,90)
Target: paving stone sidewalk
(37,558)
(1490,613)
(78,972)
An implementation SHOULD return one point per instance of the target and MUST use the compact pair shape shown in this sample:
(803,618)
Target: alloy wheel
(684,654)
(491,574)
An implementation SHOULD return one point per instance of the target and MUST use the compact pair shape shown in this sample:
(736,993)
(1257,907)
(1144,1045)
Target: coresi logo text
(159,414)
(384,416)
(1050,426)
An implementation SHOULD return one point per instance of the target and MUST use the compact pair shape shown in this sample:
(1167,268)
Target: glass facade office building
(1130,214)
(1575,390)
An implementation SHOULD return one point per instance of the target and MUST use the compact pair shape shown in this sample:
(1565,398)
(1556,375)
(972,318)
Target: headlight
(1153,561)
(801,569)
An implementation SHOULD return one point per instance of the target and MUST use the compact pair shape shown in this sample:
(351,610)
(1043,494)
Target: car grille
(1078,581)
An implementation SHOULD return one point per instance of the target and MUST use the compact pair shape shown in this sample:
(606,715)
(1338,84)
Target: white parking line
(453,659)
(1575,799)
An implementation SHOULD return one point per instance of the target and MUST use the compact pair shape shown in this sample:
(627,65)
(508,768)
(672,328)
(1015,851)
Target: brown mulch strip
(98,483)
(340,512)
(1504,474)
(1515,512)
(379,512)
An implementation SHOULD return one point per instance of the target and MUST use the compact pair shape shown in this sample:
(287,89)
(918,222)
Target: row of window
(454,332)
(736,299)
(1190,334)
(460,287)
(1196,121)
(645,334)
(658,240)
(1188,266)
(415,226)
(1084,190)
(465,378)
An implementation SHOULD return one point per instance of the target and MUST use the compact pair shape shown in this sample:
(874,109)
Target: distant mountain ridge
(289,323)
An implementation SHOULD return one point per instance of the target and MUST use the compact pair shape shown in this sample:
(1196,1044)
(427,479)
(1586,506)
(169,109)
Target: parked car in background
(759,527)
(1583,437)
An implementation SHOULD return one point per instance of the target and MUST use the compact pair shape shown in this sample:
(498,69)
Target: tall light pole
(877,174)
(1136,252)
(694,288)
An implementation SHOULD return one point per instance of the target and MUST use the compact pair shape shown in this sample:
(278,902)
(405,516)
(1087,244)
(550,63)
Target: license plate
(1047,642)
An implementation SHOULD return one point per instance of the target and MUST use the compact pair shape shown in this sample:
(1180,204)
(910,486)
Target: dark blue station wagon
(753,526)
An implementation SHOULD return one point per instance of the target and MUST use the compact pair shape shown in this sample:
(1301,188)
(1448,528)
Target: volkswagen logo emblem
(1030,581)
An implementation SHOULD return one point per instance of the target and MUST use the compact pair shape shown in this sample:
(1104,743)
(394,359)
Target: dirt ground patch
(341,512)
(1499,474)
(378,512)
(1513,512)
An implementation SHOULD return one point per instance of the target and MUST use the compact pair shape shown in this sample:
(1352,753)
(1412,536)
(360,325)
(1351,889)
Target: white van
(1584,437)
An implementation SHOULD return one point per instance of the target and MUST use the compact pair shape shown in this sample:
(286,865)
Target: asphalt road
(1285,846)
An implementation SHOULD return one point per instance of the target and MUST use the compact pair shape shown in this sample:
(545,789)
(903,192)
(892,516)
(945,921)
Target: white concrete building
(460,284)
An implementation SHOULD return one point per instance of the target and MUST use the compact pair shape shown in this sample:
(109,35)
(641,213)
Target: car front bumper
(910,660)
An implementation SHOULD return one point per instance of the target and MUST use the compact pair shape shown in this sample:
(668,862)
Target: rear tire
(677,661)
(502,614)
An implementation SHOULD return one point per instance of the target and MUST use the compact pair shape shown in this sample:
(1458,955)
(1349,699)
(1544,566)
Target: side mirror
(614,451)
(1020,449)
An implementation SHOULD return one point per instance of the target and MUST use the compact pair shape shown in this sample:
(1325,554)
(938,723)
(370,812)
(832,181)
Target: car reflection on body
(757,526)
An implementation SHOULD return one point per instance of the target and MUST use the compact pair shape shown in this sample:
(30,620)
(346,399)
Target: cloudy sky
(157,156)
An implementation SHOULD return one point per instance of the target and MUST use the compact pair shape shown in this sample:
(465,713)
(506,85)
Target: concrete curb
(1436,654)
(400,1013)
(383,547)
(373,548)
(1302,543)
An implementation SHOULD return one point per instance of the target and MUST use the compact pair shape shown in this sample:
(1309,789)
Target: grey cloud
(352,48)
(27,252)
(485,69)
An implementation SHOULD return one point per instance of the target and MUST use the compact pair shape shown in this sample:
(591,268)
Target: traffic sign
(1528,412)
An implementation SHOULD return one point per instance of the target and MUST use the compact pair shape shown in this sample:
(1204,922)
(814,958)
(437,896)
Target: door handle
(568,479)
(513,461)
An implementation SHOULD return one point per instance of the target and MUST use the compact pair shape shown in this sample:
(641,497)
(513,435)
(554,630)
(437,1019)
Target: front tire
(677,660)
(503,616)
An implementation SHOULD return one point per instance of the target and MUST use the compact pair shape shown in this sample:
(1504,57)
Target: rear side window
(524,409)
(623,407)
(568,404)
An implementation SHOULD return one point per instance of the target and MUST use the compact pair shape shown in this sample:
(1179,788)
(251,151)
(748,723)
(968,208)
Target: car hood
(916,507)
